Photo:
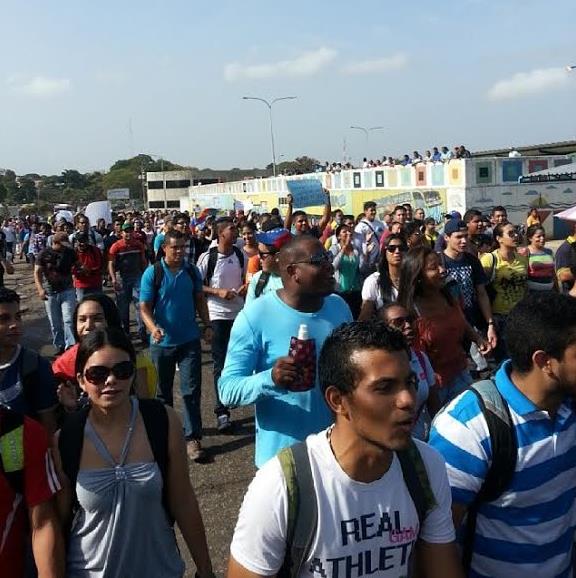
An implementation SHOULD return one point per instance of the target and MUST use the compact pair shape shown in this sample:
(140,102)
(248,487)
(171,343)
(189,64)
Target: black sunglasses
(98,374)
(317,260)
(394,248)
(264,254)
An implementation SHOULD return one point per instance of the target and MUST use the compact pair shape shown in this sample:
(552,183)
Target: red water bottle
(303,351)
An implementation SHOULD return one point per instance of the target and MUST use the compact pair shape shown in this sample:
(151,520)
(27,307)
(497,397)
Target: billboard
(118,194)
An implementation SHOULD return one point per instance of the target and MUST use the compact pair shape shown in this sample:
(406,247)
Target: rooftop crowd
(413,393)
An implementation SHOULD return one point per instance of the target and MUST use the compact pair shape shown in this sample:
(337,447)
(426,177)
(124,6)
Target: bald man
(258,369)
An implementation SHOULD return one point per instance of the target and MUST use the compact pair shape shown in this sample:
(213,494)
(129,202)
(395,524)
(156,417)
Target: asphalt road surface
(219,484)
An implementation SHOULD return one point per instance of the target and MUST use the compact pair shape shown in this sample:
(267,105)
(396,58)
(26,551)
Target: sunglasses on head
(317,260)
(394,248)
(98,374)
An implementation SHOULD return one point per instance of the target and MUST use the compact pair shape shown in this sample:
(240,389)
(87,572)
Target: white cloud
(307,64)
(394,62)
(39,86)
(527,83)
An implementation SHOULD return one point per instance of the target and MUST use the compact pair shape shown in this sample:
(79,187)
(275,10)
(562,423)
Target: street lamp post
(367,132)
(269,104)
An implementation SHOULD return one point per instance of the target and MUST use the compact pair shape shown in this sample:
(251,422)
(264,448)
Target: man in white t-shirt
(223,269)
(367,521)
(367,235)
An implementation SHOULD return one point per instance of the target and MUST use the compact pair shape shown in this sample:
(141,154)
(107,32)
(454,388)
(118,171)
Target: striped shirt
(529,530)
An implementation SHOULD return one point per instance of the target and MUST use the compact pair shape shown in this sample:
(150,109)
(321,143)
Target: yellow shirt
(509,280)
(532,221)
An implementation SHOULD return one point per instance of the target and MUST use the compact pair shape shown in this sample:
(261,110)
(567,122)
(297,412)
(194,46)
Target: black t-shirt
(57,269)
(468,273)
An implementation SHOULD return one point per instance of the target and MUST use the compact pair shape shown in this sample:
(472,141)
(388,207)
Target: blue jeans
(130,293)
(188,356)
(221,336)
(60,309)
(81,292)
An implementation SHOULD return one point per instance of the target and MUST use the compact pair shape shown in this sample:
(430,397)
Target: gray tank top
(121,528)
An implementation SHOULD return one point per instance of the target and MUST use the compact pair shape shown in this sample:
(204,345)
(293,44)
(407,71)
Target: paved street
(219,484)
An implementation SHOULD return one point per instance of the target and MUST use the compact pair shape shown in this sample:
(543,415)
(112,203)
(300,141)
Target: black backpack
(71,441)
(213,259)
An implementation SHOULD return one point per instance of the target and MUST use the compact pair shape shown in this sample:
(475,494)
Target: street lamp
(367,132)
(269,104)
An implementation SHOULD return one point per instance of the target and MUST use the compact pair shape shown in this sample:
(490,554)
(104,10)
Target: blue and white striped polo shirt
(528,532)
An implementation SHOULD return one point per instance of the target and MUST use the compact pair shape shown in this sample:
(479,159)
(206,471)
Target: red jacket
(88,274)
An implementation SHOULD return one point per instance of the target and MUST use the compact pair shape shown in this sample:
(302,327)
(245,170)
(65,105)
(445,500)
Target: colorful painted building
(480,182)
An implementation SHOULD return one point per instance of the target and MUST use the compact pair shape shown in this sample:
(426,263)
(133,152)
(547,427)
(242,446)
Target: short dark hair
(399,208)
(498,208)
(339,229)
(297,214)
(429,221)
(335,365)
(97,340)
(172,234)
(532,230)
(369,205)
(541,321)
(8,295)
(111,313)
(470,214)
(182,217)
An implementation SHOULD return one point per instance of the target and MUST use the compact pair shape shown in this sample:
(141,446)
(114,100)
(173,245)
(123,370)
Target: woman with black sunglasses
(120,506)
(382,286)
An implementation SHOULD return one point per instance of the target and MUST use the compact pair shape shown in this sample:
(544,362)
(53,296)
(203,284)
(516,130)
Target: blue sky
(83,83)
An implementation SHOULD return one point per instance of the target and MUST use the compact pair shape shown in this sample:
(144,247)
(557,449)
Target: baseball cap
(128,226)
(455,215)
(454,225)
(275,237)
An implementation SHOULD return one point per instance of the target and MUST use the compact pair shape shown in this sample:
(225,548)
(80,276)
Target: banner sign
(306,193)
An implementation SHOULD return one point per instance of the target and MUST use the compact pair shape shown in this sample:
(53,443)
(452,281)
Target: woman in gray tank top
(120,527)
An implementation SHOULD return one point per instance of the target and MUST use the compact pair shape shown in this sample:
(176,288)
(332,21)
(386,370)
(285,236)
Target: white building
(166,188)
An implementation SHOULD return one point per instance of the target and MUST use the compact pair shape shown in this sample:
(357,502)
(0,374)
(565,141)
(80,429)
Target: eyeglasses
(399,322)
(98,374)
(317,260)
(264,254)
(394,248)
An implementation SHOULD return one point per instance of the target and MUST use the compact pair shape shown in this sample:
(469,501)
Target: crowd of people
(408,386)
(436,155)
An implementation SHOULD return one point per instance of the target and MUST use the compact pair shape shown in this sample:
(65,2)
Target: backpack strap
(28,369)
(213,259)
(12,449)
(504,457)
(70,443)
(157,282)
(261,283)
(155,419)
(417,480)
(302,508)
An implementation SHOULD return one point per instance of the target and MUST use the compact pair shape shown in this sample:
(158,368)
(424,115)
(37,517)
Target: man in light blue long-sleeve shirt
(258,370)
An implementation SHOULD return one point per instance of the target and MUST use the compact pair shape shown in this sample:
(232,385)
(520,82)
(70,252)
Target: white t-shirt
(228,274)
(364,525)
(371,290)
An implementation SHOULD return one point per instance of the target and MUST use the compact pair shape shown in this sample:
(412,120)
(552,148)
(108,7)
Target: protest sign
(306,193)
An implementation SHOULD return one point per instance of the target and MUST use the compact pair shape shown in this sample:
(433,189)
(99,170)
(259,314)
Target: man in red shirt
(28,484)
(126,262)
(87,272)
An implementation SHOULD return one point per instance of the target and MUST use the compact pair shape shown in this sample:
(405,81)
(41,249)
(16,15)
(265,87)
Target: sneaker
(223,423)
(195,451)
